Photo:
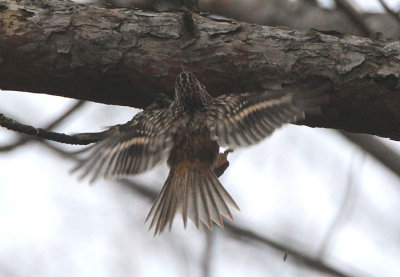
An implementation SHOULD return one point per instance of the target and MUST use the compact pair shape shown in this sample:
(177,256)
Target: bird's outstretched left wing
(245,119)
(130,148)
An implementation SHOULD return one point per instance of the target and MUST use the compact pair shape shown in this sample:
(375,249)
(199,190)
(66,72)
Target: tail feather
(197,194)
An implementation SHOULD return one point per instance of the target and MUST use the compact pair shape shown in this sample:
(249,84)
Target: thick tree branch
(121,56)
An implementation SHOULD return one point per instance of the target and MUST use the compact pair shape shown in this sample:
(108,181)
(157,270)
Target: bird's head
(189,90)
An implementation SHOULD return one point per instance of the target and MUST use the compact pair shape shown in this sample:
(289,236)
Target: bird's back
(192,141)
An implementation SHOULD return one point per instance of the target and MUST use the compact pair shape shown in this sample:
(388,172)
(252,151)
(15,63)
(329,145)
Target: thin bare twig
(247,235)
(14,125)
(22,140)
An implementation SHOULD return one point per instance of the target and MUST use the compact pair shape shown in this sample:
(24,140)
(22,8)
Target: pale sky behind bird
(290,188)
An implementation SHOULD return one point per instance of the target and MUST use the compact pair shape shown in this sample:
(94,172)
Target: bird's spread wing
(240,120)
(130,148)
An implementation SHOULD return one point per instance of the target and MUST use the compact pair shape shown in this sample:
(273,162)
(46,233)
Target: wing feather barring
(188,131)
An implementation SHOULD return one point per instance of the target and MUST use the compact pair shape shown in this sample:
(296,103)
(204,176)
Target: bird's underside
(188,131)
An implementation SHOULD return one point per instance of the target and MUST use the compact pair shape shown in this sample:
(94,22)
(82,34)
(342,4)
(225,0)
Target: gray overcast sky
(290,188)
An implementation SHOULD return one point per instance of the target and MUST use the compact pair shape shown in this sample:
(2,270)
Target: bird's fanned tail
(196,193)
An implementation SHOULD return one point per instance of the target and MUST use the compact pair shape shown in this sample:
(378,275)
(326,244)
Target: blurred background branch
(326,253)
(353,15)
(237,232)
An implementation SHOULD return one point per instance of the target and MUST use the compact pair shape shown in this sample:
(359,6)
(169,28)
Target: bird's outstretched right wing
(130,148)
(245,119)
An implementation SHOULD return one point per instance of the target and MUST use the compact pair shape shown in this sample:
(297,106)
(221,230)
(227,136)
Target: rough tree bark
(123,56)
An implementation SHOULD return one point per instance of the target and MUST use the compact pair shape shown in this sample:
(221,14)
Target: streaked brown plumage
(189,130)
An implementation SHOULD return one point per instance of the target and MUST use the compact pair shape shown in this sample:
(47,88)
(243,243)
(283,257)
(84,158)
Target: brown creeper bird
(189,131)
